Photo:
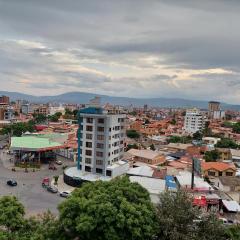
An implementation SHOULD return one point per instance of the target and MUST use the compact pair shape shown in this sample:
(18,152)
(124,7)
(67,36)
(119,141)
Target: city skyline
(140,48)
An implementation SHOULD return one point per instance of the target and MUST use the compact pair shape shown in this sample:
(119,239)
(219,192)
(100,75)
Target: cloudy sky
(138,48)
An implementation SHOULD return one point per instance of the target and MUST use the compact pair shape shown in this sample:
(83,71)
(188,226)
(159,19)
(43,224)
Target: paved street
(29,190)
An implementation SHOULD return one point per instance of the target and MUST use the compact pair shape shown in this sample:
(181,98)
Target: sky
(135,48)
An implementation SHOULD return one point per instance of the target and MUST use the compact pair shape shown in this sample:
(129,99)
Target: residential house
(218,169)
(147,156)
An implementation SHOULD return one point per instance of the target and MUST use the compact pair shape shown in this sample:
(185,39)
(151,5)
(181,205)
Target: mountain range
(82,97)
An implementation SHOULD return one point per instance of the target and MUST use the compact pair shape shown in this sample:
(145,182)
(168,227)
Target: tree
(236,128)
(118,210)
(197,135)
(226,143)
(11,213)
(147,121)
(173,121)
(75,113)
(56,179)
(179,219)
(39,118)
(55,117)
(132,134)
(17,129)
(211,156)
(227,124)
(130,146)
(178,139)
(233,232)
(68,111)
(152,147)
(14,226)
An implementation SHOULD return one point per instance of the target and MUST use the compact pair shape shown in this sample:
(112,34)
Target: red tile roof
(219,166)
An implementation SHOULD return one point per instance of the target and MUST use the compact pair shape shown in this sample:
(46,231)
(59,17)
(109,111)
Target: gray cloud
(131,48)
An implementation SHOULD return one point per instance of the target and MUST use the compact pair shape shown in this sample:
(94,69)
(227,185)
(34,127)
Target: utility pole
(192,182)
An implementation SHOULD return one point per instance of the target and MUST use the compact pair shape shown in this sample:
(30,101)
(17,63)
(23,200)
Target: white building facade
(101,142)
(194,121)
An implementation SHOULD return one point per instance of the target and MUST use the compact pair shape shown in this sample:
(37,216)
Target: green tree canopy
(212,156)
(108,210)
(17,129)
(179,220)
(152,147)
(197,135)
(236,127)
(178,139)
(39,118)
(55,117)
(173,121)
(130,146)
(226,143)
(133,134)
(11,213)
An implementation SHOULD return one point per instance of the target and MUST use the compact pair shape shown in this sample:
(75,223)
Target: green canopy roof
(32,143)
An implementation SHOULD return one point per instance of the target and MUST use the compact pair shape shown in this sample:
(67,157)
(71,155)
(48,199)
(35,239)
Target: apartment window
(99,162)
(116,151)
(229,174)
(99,154)
(101,120)
(100,145)
(121,119)
(109,173)
(89,136)
(87,169)
(100,137)
(89,128)
(89,120)
(88,152)
(100,129)
(211,173)
(88,160)
(99,170)
(88,144)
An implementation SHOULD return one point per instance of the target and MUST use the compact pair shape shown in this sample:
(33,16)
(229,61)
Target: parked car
(52,167)
(52,189)
(58,162)
(12,183)
(65,194)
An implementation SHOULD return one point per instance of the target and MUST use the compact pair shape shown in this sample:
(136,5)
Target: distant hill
(81,97)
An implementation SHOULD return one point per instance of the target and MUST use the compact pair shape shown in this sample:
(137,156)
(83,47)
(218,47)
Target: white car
(65,194)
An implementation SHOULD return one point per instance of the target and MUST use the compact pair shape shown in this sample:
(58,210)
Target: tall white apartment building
(101,142)
(194,121)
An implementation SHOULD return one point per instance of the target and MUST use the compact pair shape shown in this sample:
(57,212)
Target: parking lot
(29,189)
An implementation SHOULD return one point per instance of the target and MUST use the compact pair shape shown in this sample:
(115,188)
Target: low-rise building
(218,169)
(224,154)
(228,184)
(147,156)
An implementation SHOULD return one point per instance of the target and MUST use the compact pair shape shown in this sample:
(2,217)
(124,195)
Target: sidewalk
(5,158)
(61,186)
